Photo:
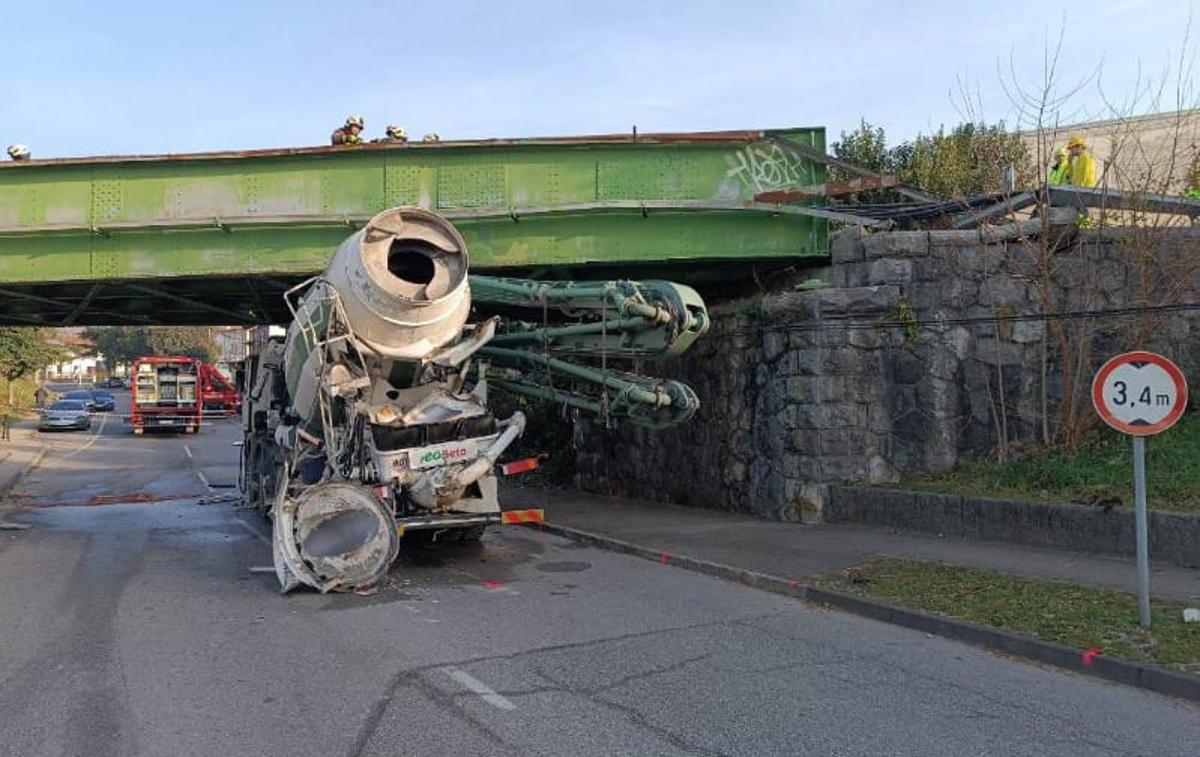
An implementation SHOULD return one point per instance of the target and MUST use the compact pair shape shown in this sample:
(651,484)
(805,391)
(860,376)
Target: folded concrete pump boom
(371,417)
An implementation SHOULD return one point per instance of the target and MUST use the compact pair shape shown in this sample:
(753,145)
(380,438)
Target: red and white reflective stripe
(519,466)
(522,516)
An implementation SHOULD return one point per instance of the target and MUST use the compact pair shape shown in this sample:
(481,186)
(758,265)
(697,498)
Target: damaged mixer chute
(371,416)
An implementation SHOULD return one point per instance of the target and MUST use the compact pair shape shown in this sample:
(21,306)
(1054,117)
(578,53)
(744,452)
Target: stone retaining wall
(925,348)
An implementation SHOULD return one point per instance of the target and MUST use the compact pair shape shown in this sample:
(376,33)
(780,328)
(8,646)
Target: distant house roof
(68,340)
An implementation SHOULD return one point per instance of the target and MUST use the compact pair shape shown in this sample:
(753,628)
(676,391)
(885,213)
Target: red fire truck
(167,394)
(217,392)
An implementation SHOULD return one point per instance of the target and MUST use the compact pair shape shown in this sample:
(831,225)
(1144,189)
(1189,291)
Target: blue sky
(147,77)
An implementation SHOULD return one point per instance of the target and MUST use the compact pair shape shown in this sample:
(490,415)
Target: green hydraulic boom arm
(581,323)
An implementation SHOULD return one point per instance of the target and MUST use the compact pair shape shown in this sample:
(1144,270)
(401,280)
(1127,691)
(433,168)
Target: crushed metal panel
(333,536)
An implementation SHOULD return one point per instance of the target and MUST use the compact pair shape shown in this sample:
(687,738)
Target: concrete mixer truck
(370,419)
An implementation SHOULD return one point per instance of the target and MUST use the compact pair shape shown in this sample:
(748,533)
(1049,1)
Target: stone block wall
(927,347)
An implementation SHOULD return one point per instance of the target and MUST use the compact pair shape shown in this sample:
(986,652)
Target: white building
(232,347)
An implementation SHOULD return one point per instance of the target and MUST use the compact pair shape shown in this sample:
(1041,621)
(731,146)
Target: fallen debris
(137,498)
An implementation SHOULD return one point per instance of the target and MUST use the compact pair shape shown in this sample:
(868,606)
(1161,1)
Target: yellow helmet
(1060,152)
(1075,141)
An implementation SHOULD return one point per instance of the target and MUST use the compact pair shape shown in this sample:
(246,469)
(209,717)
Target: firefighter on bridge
(393,134)
(350,133)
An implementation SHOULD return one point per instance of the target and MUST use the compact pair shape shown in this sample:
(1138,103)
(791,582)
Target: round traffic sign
(1140,393)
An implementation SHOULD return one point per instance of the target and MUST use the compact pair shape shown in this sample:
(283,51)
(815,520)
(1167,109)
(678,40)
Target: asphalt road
(142,629)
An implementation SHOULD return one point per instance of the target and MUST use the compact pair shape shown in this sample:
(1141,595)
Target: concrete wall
(926,349)
(1173,536)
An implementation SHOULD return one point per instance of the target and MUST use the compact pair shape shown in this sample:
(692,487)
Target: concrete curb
(1148,677)
(1174,537)
(7,485)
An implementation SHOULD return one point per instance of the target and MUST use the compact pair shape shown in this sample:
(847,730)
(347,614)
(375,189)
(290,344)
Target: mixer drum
(402,283)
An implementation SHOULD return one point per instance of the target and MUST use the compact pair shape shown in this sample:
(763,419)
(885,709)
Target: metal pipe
(487,458)
(540,335)
(635,393)
(552,395)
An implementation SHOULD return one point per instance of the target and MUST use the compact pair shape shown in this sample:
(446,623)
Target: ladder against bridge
(217,237)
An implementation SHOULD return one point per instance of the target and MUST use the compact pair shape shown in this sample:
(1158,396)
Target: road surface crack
(418,682)
(633,715)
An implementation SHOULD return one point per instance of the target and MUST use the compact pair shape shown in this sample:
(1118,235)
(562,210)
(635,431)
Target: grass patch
(23,398)
(1078,616)
(1099,471)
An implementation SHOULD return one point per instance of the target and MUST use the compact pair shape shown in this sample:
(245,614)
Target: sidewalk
(795,551)
(16,455)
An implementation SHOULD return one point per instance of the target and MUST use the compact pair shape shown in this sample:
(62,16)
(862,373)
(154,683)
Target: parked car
(112,382)
(68,415)
(84,396)
(102,401)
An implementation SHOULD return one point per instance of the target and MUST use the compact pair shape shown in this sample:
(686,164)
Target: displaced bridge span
(216,237)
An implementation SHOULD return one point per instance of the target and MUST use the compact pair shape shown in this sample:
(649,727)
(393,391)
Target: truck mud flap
(333,537)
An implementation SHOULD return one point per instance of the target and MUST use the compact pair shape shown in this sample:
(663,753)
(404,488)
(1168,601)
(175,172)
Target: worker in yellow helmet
(1081,170)
(1059,169)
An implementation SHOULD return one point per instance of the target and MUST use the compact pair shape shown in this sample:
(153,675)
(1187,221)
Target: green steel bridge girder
(90,239)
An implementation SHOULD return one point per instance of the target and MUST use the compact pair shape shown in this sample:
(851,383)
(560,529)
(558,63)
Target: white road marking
(90,441)
(258,535)
(203,480)
(477,686)
(187,451)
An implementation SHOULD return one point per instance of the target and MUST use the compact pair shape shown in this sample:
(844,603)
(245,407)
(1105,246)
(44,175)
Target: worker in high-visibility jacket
(1058,174)
(1193,188)
(1082,166)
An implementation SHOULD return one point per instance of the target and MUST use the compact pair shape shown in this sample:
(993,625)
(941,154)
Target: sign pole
(1142,537)
(1140,394)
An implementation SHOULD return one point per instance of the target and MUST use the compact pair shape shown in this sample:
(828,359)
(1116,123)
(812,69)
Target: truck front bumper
(466,520)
